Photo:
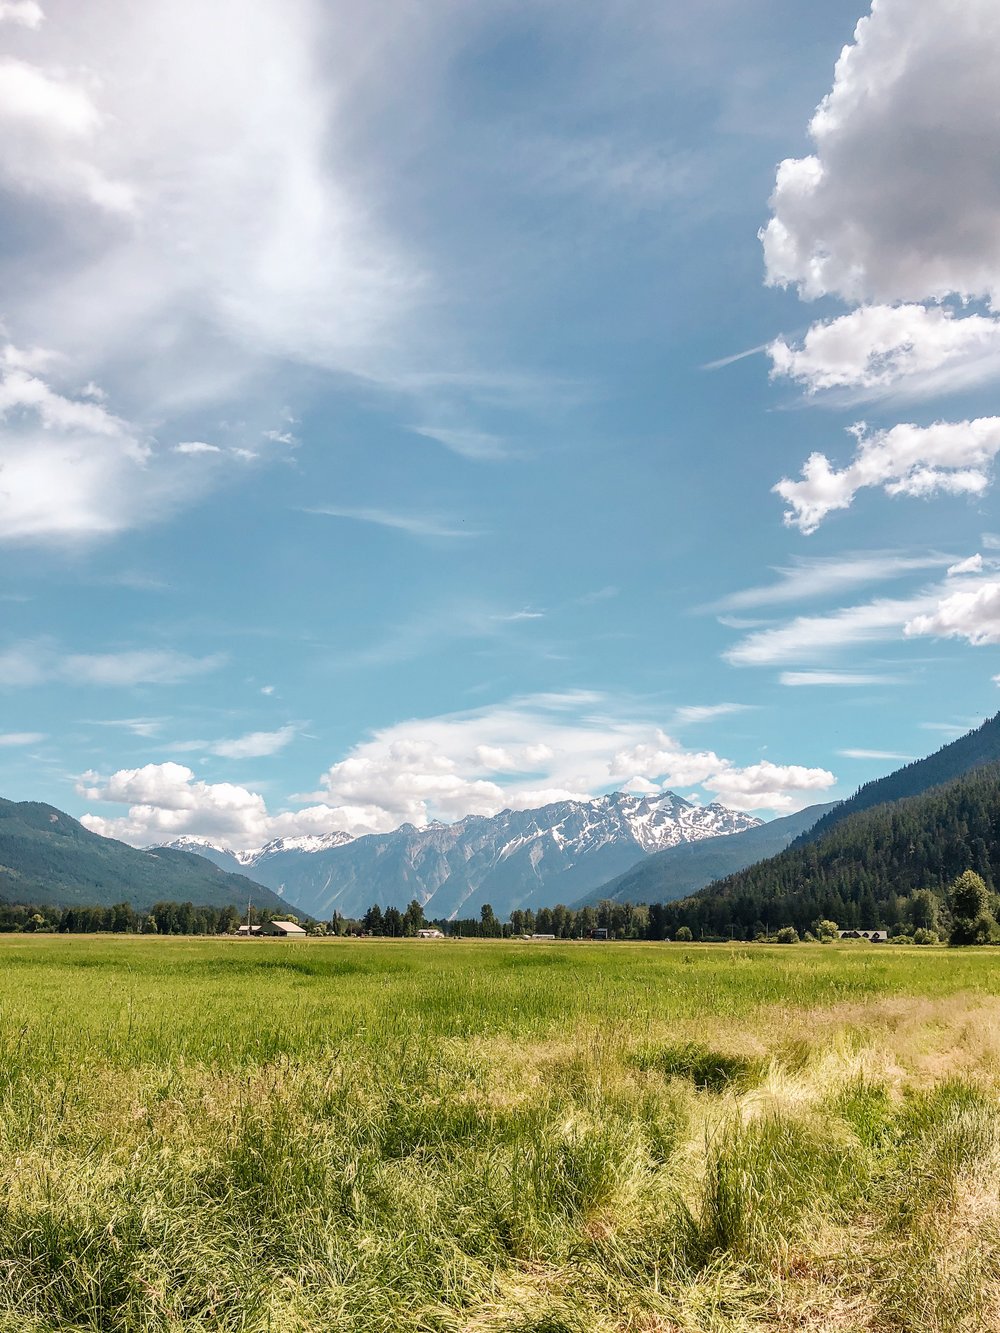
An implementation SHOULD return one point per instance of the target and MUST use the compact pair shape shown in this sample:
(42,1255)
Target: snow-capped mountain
(518,858)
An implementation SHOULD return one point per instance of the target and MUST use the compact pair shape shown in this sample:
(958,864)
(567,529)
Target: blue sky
(370,443)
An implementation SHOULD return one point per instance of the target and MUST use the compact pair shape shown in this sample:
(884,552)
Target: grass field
(361,1135)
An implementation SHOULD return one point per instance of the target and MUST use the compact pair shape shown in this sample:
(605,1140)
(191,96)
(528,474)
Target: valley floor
(485,1136)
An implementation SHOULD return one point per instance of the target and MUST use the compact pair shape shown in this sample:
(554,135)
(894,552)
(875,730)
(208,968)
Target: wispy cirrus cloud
(35,663)
(814,638)
(877,754)
(254,745)
(414,525)
(807,578)
(839,679)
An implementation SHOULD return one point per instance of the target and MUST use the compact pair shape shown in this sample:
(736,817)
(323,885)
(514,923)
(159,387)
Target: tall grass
(247,1136)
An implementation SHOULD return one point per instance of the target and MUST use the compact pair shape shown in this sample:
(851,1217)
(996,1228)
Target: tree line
(166,918)
(878,868)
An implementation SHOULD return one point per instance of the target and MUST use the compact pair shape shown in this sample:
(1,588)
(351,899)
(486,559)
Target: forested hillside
(48,858)
(864,870)
(970,751)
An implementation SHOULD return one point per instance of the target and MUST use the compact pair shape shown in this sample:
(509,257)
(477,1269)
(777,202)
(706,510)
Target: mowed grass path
(548,1138)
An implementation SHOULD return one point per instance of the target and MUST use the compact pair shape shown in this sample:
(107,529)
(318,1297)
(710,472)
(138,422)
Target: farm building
(429,934)
(289,930)
(874,936)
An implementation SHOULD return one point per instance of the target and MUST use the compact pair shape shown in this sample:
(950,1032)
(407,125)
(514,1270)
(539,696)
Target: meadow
(484,1136)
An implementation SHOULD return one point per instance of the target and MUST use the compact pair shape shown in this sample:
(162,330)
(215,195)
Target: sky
(417,414)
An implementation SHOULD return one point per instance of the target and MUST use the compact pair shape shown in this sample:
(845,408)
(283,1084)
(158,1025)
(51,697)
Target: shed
(873,936)
(288,930)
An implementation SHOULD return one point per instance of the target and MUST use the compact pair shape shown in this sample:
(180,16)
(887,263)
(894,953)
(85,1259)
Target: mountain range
(49,859)
(518,858)
(678,871)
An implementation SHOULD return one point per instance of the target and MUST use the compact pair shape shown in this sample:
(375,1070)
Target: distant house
(288,930)
(873,936)
(247,931)
(429,934)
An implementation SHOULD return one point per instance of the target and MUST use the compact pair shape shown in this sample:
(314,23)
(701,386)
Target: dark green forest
(863,872)
(973,750)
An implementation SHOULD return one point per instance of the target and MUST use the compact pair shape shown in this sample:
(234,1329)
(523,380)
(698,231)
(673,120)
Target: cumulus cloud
(919,349)
(951,458)
(972,565)
(972,614)
(519,755)
(767,785)
(900,199)
(897,209)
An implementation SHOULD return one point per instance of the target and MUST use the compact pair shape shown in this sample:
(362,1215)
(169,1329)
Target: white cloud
(972,614)
(876,754)
(915,349)
(838,678)
(809,639)
(972,565)
(948,458)
(34,663)
(520,754)
(137,726)
(181,249)
(820,576)
(15,738)
(255,745)
(475,444)
(769,786)
(706,712)
(899,201)
(49,126)
(196,447)
(70,469)
(414,525)
(26,12)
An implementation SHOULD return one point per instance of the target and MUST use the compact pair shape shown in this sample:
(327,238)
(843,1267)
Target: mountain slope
(682,870)
(518,858)
(857,873)
(47,858)
(976,748)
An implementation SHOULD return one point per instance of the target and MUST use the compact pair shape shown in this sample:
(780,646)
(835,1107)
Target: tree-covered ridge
(865,871)
(973,750)
(48,858)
